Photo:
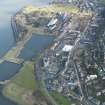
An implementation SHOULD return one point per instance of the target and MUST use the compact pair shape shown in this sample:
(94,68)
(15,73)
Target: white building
(67,48)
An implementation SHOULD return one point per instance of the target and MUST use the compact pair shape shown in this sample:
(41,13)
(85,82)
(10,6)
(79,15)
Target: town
(74,65)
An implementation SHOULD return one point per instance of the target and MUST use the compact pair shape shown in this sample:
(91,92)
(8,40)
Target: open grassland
(63,8)
(60,99)
(53,8)
(22,85)
(11,56)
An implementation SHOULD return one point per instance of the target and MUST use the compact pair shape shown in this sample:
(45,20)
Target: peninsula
(54,46)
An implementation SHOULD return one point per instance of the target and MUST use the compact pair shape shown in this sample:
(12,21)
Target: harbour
(7,41)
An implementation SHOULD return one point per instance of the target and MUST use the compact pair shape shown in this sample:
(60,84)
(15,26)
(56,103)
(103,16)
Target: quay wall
(15,28)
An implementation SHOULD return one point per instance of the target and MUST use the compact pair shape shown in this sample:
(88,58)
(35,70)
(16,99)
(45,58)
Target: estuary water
(7,9)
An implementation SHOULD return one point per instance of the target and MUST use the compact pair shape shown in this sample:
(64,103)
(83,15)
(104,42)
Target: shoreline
(20,44)
(4,82)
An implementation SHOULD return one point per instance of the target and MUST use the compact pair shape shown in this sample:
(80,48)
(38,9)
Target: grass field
(11,56)
(53,8)
(63,8)
(60,99)
(22,85)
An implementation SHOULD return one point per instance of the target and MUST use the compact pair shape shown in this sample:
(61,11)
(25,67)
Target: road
(40,79)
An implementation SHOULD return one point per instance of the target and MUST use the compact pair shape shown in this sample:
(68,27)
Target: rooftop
(67,48)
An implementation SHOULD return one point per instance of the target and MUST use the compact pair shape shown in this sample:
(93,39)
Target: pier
(14,28)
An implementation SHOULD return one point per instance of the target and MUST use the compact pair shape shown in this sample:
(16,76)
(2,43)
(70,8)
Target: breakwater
(14,28)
